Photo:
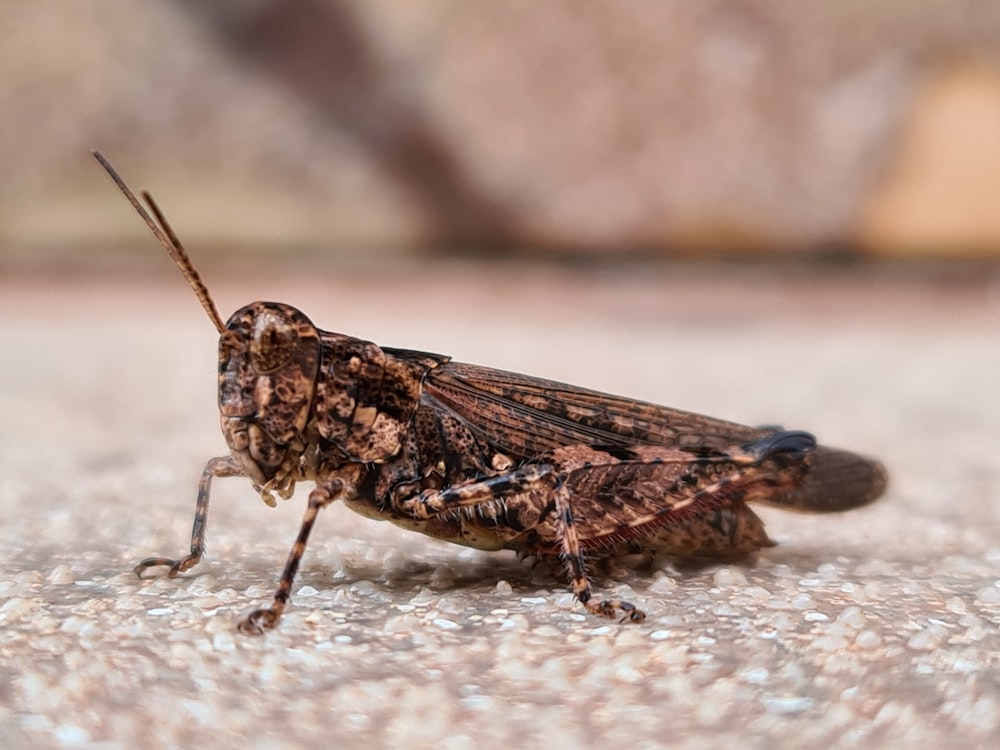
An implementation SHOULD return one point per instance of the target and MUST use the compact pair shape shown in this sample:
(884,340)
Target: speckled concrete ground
(873,629)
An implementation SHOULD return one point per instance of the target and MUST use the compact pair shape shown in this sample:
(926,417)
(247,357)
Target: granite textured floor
(872,629)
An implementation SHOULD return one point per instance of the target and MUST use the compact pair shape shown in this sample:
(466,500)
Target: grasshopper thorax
(269,355)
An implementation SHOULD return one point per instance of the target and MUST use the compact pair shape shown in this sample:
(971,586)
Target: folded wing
(525,416)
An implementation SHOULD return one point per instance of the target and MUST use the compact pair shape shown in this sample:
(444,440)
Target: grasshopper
(487,458)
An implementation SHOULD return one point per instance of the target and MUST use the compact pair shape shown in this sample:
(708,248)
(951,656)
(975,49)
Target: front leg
(544,481)
(336,488)
(224,466)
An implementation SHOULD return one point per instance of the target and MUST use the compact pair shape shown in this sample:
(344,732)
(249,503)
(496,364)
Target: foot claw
(634,615)
(612,607)
(176,566)
(258,622)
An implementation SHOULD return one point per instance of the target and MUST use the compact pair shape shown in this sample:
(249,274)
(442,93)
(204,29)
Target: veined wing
(525,416)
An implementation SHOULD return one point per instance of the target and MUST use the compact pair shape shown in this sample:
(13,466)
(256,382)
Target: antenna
(163,232)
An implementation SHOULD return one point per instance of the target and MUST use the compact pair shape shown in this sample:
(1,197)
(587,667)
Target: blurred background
(565,128)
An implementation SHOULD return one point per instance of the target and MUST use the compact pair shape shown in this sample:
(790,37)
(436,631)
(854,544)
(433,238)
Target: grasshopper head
(268,360)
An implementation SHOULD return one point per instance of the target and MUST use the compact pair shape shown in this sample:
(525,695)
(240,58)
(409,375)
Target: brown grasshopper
(486,458)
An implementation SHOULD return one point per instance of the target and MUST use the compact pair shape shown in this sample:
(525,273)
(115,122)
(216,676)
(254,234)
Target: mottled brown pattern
(530,415)
(487,458)
(365,399)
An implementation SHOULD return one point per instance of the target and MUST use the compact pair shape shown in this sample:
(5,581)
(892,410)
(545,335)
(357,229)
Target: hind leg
(532,485)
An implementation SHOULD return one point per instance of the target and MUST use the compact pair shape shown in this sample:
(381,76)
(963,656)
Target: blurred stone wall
(668,127)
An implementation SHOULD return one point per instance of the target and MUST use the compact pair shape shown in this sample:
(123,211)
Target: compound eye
(274,341)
